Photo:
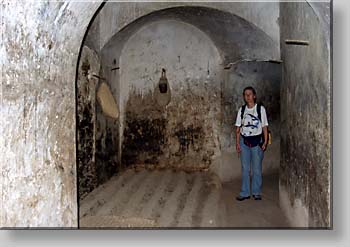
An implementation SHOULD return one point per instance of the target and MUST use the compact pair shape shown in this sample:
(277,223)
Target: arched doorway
(194,131)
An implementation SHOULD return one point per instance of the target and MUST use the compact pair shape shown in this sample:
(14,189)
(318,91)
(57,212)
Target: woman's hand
(238,147)
(263,147)
(266,134)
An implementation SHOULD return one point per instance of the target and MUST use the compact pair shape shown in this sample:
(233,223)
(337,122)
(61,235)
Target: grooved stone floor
(178,199)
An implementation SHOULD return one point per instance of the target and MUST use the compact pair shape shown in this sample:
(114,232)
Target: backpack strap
(259,111)
(242,112)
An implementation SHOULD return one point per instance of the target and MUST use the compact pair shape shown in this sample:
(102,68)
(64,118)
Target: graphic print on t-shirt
(253,123)
(250,125)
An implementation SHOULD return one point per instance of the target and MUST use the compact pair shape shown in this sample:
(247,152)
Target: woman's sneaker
(257,197)
(241,198)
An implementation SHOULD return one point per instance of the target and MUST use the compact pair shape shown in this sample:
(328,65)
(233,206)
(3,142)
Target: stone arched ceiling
(234,37)
(116,15)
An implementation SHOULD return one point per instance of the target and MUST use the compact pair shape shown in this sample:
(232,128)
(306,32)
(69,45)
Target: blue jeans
(254,156)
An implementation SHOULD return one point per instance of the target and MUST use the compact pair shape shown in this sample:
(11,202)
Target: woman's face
(249,97)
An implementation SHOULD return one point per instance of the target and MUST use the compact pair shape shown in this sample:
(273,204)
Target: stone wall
(97,134)
(306,115)
(39,55)
(86,120)
(107,146)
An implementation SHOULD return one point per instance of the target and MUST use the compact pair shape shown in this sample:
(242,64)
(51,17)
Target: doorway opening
(170,164)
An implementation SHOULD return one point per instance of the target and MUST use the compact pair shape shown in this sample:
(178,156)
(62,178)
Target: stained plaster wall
(107,150)
(305,120)
(185,132)
(40,46)
(86,120)
(97,133)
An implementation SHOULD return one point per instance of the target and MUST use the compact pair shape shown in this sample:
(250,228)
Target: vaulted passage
(127,117)
(185,135)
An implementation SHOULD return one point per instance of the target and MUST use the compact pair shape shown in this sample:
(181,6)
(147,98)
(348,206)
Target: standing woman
(251,142)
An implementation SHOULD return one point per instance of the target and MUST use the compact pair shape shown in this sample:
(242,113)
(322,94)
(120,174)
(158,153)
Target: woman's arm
(238,146)
(265,137)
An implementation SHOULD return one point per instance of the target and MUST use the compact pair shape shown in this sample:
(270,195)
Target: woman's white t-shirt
(251,124)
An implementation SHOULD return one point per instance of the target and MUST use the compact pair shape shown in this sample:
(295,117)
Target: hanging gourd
(163,82)
(162,92)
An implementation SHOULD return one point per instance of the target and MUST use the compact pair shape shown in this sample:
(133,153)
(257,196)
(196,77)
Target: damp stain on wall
(180,134)
(97,143)
(106,149)
(189,137)
(144,140)
(85,154)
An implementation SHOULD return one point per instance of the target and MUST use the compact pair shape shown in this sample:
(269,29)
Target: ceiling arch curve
(235,37)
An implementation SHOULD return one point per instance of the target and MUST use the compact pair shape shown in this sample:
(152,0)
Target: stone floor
(178,199)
